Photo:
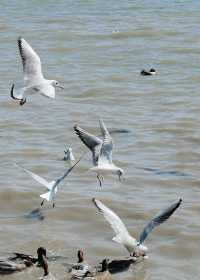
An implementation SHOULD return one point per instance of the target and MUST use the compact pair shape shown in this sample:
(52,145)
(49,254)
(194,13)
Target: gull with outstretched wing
(51,186)
(101,151)
(34,81)
(134,247)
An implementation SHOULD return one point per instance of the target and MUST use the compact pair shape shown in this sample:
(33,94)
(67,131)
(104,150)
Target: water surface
(97,49)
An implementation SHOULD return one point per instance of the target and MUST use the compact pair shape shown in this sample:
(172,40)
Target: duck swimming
(44,264)
(81,269)
(118,265)
(9,267)
(151,72)
(20,262)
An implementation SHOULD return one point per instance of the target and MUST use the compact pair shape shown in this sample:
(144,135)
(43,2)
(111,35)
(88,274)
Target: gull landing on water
(101,151)
(134,247)
(34,82)
(51,186)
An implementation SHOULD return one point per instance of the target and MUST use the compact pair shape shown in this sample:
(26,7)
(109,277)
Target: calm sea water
(97,49)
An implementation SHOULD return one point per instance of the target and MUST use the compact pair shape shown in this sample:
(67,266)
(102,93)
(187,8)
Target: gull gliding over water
(101,151)
(34,81)
(51,186)
(134,247)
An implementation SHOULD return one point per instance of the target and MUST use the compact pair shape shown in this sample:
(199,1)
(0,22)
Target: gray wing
(107,146)
(159,219)
(30,60)
(91,141)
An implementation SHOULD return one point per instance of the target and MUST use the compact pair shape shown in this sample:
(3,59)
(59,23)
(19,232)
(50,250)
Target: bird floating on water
(151,72)
(101,151)
(69,155)
(81,269)
(134,247)
(118,265)
(51,186)
(20,262)
(34,81)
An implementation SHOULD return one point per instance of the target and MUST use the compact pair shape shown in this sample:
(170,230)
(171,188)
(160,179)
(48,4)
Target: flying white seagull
(34,81)
(51,186)
(101,151)
(134,247)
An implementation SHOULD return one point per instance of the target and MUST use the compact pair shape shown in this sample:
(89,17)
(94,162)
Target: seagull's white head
(55,84)
(120,173)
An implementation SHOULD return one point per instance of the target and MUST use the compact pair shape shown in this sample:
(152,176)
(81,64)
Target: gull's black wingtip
(95,203)
(97,206)
(180,201)
(22,101)
(12,92)
(19,42)
(76,129)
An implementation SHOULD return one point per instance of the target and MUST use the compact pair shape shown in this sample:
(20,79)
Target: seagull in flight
(101,151)
(34,81)
(51,186)
(134,247)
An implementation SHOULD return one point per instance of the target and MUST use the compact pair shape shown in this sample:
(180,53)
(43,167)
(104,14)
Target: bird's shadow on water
(35,214)
(119,131)
(165,172)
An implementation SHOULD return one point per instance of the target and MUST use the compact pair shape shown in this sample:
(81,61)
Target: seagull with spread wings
(51,186)
(134,247)
(101,151)
(34,81)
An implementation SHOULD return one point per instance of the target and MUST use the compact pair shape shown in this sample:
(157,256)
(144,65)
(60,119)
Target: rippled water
(97,50)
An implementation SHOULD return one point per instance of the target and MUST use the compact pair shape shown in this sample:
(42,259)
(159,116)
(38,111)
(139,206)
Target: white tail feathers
(46,196)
